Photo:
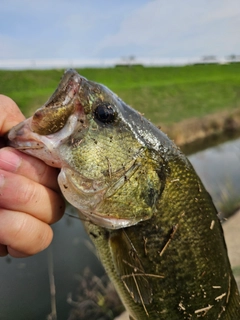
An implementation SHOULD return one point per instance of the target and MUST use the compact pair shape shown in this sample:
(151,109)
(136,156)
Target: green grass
(165,95)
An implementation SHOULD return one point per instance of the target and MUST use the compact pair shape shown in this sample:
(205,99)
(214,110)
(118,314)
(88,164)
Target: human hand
(30,198)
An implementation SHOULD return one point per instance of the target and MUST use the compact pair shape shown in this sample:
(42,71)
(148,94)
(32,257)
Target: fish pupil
(105,113)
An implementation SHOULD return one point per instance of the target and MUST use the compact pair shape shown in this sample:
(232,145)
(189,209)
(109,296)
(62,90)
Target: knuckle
(28,193)
(19,228)
(37,235)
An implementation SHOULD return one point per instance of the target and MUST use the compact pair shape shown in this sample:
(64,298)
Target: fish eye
(105,113)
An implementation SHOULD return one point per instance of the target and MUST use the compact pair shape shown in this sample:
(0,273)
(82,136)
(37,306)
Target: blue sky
(77,29)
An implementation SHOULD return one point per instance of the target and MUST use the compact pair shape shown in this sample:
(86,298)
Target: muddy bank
(194,134)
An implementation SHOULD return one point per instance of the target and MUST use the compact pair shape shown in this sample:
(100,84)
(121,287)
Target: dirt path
(193,131)
(232,236)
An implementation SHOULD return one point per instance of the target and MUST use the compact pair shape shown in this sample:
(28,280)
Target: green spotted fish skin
(153,223)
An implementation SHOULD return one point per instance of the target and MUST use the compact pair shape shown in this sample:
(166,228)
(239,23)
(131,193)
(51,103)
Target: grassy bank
(165,95)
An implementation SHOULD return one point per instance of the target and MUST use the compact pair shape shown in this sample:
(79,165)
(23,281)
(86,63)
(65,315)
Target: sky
(105,29)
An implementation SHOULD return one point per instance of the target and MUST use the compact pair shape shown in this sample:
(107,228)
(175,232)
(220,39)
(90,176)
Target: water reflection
(219,169)
(25,290)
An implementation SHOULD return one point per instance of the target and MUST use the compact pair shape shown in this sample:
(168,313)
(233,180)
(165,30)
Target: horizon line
(59,63)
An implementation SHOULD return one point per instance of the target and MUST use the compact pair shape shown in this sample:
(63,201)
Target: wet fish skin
(152,221)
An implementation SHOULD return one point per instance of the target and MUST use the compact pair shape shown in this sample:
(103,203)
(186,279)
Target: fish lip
(22,138)
(19,131)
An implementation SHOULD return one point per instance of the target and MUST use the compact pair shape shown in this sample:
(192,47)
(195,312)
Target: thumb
(10,114)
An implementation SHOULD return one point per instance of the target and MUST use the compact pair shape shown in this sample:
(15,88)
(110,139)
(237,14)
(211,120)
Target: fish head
(107,169)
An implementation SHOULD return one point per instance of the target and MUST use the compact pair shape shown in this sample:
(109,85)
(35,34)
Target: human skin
(30,199)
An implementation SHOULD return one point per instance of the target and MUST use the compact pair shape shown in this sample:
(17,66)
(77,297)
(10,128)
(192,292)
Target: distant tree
(131,58)
(232,57)
(209,58)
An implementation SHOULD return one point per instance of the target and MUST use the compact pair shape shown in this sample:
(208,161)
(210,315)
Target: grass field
(164,94)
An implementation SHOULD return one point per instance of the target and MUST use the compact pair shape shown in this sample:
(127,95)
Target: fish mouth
(41,134)
(66,90)
(22,138)
(53,115)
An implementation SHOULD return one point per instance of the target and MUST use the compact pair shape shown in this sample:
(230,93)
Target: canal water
(219,169)
(24,283)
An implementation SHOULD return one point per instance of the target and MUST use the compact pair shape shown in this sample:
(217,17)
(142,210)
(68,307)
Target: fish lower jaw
(28,147)
(107,222)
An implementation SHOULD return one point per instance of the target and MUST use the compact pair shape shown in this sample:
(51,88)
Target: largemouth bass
(153,223)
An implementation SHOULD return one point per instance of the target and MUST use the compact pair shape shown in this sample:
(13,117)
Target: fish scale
(153,223)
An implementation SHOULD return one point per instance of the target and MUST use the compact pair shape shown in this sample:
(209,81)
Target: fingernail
(9,160)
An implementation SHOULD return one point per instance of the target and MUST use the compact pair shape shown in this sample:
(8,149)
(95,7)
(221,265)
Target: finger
(10,114)
(19,193)
(23,234)
(15,161)
(3,250)
(17,254)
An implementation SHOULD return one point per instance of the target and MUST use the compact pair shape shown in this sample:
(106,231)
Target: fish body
(153,223)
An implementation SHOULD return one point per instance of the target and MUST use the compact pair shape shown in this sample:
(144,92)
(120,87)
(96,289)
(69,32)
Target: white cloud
(9,47)
(156,20)
(105,29)
(58,29)
(176,28)
(223,10)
